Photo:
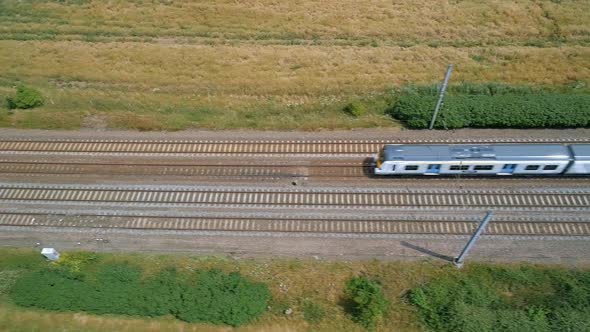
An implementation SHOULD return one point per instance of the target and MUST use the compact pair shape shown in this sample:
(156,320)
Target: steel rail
(304,198)
(297,225)
(228,170)
(259,147)
(186,169)
(231,171)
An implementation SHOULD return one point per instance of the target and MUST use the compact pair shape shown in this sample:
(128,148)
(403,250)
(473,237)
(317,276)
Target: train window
(532,167)
(550,167)
(483,167)
(411,167)
(459,167)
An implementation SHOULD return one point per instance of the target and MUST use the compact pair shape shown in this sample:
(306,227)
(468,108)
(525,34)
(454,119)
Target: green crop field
(265,64)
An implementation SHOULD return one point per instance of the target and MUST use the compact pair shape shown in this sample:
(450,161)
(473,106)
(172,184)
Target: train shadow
(427,251)
(369,167)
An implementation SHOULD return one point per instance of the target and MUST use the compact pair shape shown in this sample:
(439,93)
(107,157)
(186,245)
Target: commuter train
(484,160)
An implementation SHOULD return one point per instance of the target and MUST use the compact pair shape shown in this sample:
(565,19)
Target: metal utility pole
(459,260)
(440,95)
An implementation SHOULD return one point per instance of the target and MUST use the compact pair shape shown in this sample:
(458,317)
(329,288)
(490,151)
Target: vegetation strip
(503,111)
(345,295)
(203,296)
(494,298)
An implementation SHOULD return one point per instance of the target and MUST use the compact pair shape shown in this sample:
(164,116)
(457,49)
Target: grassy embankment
(288,280)
(267,65)
(492,295)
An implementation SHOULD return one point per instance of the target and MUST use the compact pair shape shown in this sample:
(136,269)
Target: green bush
(25,97)
(355,109)
(164,294)
(222,298)
(367,301)
(207,296)
(53,289)
(500,111)
(489,298)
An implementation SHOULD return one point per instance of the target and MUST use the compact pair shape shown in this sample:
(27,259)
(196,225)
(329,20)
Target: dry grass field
(267,64)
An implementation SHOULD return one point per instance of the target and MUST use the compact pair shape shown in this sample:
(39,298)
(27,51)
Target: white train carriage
(581,162)
(453,159)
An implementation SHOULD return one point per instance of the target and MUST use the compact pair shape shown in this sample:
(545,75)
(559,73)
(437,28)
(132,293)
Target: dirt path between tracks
(356,134)
(570,251)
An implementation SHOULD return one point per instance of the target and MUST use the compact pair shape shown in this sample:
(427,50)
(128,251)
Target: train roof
(581,151)
(462,152)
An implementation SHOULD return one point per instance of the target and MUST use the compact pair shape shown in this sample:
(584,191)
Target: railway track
(43,158)
(567,200)
(342,212)
(232,147)
(221,171)
(297,225)
(208,171)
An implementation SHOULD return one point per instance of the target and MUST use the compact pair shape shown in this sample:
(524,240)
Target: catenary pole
(440,95)
(461,258)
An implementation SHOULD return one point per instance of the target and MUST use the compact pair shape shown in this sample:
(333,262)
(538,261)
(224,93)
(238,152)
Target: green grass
(312,312)
(68,109)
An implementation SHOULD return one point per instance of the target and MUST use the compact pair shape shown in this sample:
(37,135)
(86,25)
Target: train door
(508,168)
(433,168)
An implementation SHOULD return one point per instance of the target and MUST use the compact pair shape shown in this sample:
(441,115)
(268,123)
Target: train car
(581,162)
(492,159)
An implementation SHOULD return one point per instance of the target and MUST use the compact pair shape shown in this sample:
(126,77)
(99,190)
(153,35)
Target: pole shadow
(427,251)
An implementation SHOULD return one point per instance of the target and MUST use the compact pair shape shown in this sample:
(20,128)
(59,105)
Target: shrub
(500,111)
(355,109)
(53,289)
(367,300)
(489,298)
(208,296)
(163,294)
(25,97)
(222,298)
